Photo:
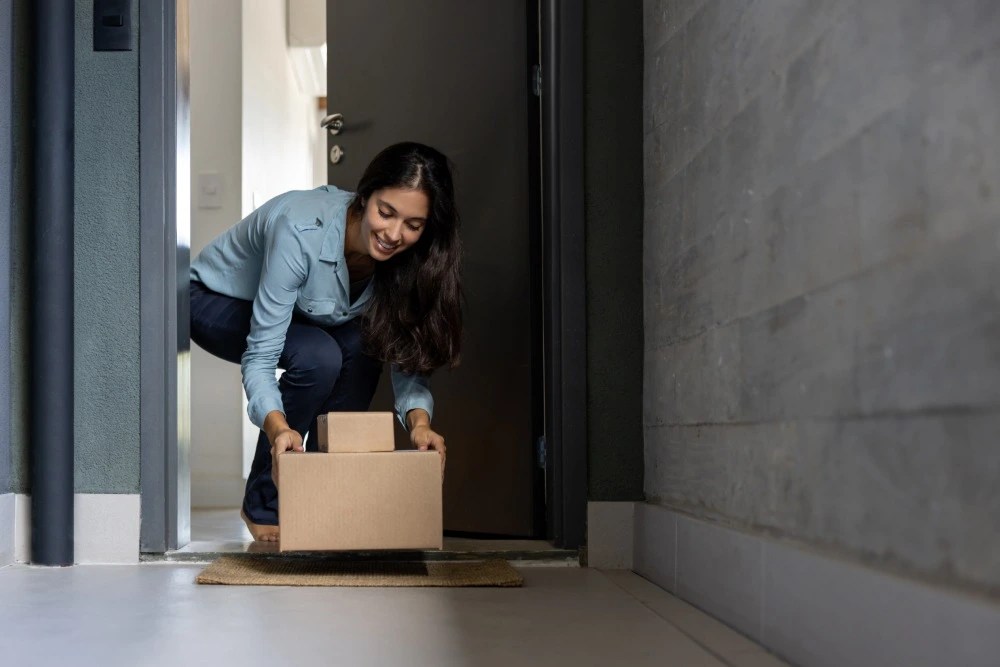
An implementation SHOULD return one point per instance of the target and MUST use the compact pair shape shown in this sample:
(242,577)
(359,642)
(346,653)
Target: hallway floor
(154,614)
(223,531)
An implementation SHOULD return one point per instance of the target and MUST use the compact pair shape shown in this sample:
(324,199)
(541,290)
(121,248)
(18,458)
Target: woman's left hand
(423,438)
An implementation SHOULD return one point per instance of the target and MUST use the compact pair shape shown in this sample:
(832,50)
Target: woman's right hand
(283,438)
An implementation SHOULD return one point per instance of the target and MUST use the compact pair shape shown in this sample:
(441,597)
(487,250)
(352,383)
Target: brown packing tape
(360,501)
(344,432)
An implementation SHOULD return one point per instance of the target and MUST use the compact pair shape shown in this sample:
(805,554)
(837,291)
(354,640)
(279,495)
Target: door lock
(334,123)
(336,154)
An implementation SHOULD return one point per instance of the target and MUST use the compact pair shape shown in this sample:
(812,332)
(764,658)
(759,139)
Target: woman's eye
(415,228)
(384,214)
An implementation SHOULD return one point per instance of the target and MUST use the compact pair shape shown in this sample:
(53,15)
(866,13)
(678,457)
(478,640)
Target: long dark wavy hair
(414,318)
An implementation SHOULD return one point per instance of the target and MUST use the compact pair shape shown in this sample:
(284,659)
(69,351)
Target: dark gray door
(454,74)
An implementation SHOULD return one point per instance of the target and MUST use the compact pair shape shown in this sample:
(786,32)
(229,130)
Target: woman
(328,285)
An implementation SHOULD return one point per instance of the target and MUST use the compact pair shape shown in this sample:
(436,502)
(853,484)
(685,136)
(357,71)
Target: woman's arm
(414,407)
(422,436)
(282,437)
(282,273)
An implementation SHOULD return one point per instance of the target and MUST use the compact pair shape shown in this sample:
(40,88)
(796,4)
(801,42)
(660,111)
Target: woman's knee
(315,361)
(350,339)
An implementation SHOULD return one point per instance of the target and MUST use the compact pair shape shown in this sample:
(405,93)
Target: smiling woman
(329,285)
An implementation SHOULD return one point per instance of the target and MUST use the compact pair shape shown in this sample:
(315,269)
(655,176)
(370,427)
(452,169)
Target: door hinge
(536,80)
(540,452)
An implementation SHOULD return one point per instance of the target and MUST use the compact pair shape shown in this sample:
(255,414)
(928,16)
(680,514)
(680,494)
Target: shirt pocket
(317,307)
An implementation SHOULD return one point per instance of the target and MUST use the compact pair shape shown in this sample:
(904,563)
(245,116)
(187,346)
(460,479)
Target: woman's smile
(383,246)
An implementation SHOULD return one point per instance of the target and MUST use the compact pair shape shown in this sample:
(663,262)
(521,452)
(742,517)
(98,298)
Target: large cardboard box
(355,432)
(359,501)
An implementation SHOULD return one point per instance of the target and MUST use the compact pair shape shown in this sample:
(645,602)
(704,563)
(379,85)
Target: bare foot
(260,532)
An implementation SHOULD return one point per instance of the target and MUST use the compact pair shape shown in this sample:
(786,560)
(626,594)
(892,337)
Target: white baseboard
(22,528)
(105,528)
(610,528)
(6,529)
(808,607)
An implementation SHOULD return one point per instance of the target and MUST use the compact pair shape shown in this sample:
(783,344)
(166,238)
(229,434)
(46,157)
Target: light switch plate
(209,190)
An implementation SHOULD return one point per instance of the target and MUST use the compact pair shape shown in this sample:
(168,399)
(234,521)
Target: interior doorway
(555,489)
(458,76)
(255,92)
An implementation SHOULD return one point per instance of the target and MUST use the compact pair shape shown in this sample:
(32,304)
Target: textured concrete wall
(6,215)
(107,262)
(822,331)
(20,233)
(613,200)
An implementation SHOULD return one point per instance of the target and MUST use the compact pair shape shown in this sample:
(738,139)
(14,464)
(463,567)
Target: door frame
(164,263)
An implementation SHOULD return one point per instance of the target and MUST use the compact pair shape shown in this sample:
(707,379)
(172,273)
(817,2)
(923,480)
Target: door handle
(334,123)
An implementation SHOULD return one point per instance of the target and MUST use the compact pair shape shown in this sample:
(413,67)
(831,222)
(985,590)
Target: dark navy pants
(325,371)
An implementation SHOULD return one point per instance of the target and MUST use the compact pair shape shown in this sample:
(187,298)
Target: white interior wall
(254,134)
(216,95)
(278,117)
(280,131)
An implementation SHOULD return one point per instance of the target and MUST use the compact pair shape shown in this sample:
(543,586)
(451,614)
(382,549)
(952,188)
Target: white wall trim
(808,607)
(22,528)
(610,528)
(105,528)
(6,529)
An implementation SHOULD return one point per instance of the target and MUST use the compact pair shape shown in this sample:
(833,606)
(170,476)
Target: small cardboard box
(360,501)
(355,432)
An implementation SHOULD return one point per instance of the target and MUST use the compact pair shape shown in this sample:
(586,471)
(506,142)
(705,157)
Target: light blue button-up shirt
(288,256)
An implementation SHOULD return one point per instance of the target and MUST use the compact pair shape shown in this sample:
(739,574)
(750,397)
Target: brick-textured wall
(822,274)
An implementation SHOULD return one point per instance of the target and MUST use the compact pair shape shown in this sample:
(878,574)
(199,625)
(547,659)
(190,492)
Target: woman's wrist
(274,423)
(416,418)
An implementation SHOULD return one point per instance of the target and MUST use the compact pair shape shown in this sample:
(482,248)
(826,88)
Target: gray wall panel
(822,330)
(107,263)
(6,215)
(20,234)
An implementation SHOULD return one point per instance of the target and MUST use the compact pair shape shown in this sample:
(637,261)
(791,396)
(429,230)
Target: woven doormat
(242,571)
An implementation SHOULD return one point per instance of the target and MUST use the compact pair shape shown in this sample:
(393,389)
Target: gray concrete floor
(154,614)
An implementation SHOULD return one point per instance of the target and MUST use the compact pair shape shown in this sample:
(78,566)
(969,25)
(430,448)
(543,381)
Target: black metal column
(51,420)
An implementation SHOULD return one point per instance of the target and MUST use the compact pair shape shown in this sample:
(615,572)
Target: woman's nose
(394,232)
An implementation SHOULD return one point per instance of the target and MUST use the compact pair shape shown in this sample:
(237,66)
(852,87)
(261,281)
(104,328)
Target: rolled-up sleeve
(283,272)
(411,392)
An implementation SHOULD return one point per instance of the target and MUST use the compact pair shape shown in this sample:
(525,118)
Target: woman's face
(394,219)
